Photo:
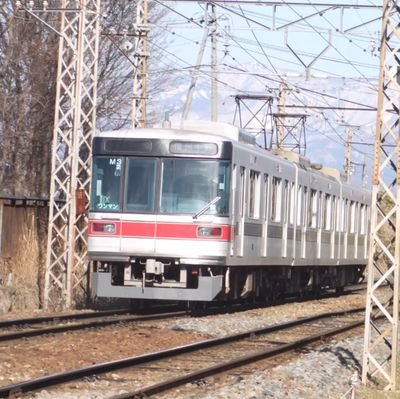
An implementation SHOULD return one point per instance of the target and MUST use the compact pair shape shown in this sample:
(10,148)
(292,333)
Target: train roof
(215,130)
(199,130)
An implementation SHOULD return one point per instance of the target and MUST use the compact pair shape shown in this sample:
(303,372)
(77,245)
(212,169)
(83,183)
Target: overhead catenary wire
(324,96)
(335,48)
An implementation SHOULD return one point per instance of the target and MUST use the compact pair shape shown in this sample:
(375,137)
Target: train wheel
(339,290)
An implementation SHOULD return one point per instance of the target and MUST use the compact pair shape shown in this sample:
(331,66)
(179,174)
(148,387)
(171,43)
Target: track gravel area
(323,371)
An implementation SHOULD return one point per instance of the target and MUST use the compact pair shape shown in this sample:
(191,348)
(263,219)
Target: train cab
(159,214)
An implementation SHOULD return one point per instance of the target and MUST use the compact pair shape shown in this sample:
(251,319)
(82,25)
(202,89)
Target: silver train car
(201,213)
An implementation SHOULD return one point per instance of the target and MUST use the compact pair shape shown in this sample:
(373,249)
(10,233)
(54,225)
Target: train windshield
(106,183)
(141,185)
(189,185)
(131,184)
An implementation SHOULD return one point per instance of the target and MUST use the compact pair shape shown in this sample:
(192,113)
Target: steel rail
(92,324)
(86,315)
(56,319)
(58,378)
(231,364)
(233,307)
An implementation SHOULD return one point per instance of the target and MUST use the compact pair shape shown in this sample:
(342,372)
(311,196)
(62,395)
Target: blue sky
(253,58)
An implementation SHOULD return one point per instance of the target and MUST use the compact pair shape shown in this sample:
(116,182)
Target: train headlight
(108,228)
(209,232)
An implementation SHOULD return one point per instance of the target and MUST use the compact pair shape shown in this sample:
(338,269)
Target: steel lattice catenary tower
(74,125)
(381,336)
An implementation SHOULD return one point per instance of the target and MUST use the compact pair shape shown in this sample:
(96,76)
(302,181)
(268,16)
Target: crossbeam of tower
(290,132)
(74,125)
(253,112)
(382,308)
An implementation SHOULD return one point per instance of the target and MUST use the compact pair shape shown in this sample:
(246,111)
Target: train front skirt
(209,287)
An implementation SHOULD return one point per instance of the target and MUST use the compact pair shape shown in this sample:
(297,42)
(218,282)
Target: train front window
(189,185)
(141,184)
(107,172)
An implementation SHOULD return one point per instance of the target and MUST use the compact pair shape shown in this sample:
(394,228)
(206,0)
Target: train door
(320,214)
(345,227)
(339,225)
(333,226)
(297,237)
(233,209)
(304,221)
(266,190)
(239,213)
(285,218)
(138,233)
(253,226)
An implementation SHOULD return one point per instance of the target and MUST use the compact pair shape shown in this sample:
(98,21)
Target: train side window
(306,209)
(299,205)
(276,199)
(313,207)
(292,203)
(358,222)
(339,215)
(345,215)
(321,208)
(242,188)
(266,195)
(367,216)
(334,213)
(254,195)
(362,219)
(327,221)
(285,200)
(352,216)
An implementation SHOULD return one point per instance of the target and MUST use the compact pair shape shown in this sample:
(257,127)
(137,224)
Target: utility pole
(381,336)
(74,125)
(289,128)
(364,172)
(138,116)
(210,27)
(196,69)
(280,130)
(347,153)
(214,65)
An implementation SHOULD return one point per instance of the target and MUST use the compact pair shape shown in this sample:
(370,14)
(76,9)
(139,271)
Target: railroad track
(239,307)
(31,327)
(167,365)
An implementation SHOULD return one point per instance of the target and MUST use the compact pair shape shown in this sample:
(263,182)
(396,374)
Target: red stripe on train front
(162,230)
(137,229)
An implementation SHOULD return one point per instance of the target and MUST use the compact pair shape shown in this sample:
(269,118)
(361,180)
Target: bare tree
(28,58)
(117,63)
(27,89)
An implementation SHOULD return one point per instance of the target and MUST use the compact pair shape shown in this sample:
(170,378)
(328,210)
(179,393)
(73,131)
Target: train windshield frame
(160,185)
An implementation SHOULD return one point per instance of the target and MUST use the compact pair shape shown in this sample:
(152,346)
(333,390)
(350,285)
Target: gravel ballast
(325,370)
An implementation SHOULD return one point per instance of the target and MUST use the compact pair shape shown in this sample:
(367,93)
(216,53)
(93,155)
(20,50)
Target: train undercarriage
(169,279)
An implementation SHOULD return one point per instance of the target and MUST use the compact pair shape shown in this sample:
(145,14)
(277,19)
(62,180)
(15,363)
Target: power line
(281,3)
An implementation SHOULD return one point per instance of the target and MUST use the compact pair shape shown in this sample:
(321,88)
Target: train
(199,212)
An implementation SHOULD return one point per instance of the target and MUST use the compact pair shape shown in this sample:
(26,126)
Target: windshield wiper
(206,208)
